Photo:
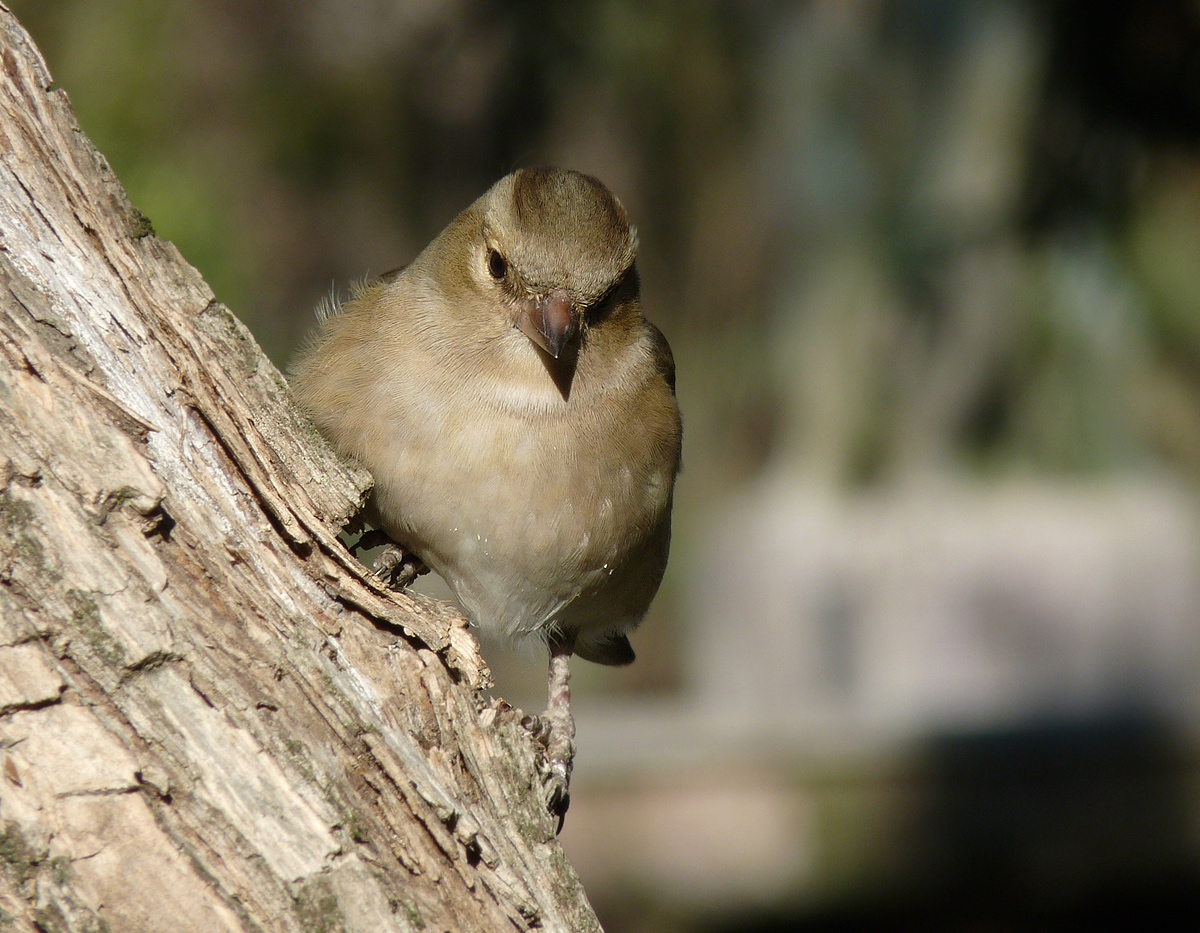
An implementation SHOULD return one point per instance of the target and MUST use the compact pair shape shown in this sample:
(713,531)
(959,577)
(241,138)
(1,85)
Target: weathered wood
(211,717)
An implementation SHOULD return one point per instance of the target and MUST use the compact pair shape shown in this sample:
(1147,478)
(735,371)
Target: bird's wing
(664,359)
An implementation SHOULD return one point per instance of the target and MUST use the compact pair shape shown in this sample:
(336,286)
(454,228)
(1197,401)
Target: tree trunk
(211,716)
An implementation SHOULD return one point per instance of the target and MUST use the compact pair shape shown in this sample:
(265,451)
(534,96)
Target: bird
(518,414)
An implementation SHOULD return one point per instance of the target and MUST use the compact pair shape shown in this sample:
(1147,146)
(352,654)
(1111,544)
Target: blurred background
(928,652)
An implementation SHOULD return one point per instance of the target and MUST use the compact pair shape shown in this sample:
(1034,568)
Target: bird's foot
(538,728)
(556,745)
(398,567)
(554,733)
(394,565)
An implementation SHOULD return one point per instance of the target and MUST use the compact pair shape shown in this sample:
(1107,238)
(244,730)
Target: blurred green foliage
(140,102)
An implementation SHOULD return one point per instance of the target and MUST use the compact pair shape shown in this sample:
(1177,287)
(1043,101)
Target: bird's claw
(397,567)
(556,786)
(539,728)
(556,752)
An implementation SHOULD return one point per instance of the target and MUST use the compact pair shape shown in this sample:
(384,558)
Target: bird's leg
(395,565)
(555,730)
(560,744)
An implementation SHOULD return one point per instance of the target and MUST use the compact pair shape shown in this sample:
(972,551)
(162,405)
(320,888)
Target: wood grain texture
(212,717)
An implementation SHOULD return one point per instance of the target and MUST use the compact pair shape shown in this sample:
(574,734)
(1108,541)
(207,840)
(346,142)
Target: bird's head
(551,246)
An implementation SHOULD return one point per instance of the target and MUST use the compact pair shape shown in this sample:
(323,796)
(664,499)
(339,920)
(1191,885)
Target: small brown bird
(518,415)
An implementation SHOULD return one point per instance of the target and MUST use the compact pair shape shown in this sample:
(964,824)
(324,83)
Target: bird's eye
(496,264)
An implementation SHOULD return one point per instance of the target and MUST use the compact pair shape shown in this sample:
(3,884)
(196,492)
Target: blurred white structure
(831,634)
(941,606)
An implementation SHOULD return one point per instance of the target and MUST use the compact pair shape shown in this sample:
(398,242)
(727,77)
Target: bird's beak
(551,323)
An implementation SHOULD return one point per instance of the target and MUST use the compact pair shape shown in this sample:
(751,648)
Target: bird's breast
(523,513)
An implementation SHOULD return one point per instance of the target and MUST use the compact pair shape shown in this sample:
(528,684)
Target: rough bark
(211,717)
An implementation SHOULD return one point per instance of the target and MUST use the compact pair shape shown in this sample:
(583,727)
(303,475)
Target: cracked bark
(211,716)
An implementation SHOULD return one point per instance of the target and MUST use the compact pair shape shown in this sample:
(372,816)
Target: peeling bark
(212,717)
